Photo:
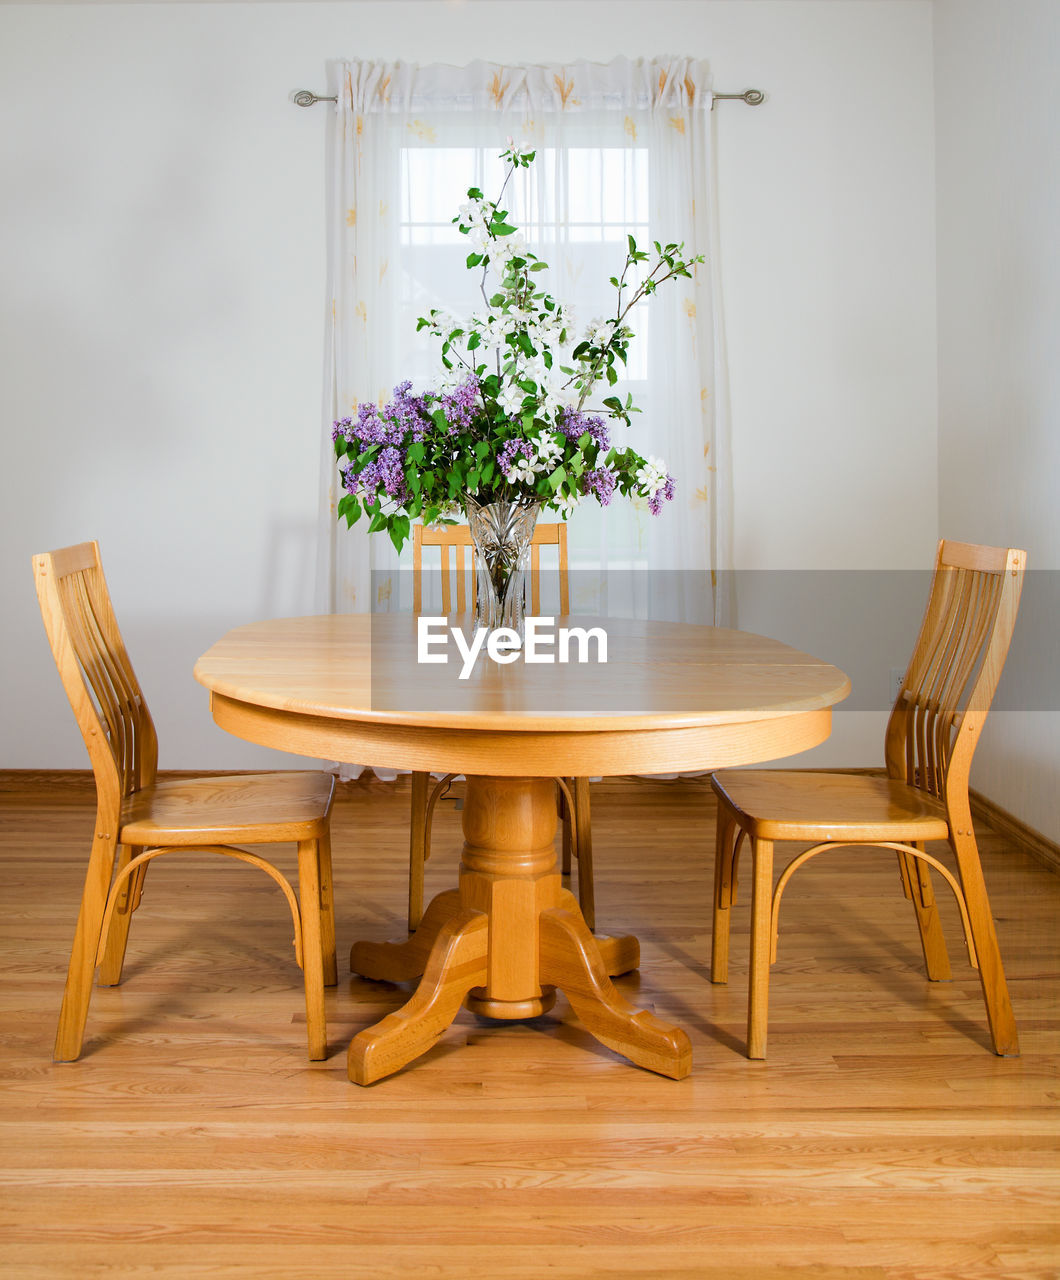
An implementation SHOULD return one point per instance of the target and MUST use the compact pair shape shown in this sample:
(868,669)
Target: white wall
(998,102)
(161,229)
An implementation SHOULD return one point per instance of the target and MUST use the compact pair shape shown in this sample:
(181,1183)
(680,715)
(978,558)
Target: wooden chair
(931,736)
(138,818)
(457,565)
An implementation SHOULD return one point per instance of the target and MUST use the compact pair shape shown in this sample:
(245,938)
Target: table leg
(402,961)
(457,963)
(504,942)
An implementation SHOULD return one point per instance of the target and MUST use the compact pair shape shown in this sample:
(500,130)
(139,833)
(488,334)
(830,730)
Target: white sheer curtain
(623,148)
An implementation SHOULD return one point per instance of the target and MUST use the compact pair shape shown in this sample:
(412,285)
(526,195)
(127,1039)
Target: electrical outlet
(897,676)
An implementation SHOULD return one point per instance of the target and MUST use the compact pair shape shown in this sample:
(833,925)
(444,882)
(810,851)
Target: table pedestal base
(503,942)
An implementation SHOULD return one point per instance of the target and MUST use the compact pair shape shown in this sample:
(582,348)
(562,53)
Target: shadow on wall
(866,622)
(289,569)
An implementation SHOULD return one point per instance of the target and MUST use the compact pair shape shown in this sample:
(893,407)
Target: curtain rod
(753,98)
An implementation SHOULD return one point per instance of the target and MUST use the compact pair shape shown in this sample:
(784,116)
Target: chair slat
(461,584)
(454,544)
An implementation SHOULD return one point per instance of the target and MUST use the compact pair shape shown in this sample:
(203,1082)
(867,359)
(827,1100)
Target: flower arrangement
(510,419)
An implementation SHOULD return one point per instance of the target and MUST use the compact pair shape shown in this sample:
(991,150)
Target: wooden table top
(671,696)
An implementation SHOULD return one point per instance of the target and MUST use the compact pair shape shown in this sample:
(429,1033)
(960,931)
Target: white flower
(652,476)
(557,397)
(519,150)
(473,213)
(480,239)
(600,332)
(565,503)
(506,247)
(521,471)
(499,324)
(547,450)
(450,379)
(443,323)
(551,322)
(511,398)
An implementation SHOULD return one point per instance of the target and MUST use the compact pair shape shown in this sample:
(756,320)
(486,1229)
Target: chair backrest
(956,664)
(96,671)
(458,556)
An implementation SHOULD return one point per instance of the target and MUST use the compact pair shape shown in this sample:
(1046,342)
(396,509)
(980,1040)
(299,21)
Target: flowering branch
(519,432)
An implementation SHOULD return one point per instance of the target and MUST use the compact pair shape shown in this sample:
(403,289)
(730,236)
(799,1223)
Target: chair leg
(583,840)
(567,821)
(991,971)
(78,992)
(312,910)
(916,878)
(761,946)
(327,911)
(725,844)
(417,847)
(118,935)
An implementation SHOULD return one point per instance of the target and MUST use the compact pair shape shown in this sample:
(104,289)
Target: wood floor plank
(881,1140)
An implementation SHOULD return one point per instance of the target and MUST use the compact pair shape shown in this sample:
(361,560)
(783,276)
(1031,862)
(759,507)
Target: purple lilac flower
(666,492)
(506,457)
(408,412)
(574,425)
(459,405)
(391,470)
(405,417)
(386,473)
(600,482)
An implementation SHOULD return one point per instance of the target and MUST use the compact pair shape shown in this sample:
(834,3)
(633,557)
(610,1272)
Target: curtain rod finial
(306,98)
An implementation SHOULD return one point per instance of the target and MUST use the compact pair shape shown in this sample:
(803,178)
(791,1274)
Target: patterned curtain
(623,148)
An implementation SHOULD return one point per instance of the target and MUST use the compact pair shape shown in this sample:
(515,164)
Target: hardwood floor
(881,1138)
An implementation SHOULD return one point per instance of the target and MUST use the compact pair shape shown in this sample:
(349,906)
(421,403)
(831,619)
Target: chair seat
(257,808)
(784,805)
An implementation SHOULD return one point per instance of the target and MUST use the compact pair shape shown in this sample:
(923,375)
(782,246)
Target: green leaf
(557,478)
(416,451)
(473,259)
(474,341)
(502,229)
(378,522)
(399,530)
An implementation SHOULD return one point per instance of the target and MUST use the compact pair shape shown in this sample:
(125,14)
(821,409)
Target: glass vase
(501,533)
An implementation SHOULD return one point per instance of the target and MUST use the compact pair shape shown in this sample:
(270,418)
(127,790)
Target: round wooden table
(671,697)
